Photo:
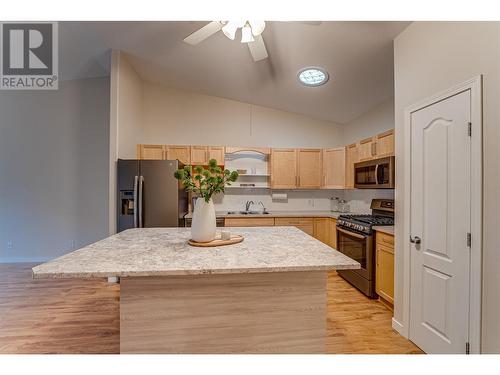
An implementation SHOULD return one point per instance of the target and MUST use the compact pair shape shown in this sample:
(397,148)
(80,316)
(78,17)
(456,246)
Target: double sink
(247,213)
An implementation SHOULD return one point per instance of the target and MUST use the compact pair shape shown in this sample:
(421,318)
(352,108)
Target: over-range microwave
(375,174)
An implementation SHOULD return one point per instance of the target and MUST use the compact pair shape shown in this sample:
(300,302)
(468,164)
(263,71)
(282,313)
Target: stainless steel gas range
(355,239)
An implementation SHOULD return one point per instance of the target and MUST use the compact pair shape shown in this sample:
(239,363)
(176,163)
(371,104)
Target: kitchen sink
(247,213)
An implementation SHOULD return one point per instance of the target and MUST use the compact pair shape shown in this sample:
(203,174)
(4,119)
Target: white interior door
(440,217)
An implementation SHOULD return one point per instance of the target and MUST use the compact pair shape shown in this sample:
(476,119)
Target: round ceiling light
(313,76)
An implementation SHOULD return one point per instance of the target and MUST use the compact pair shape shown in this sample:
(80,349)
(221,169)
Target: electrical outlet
(10,245)
(311,202)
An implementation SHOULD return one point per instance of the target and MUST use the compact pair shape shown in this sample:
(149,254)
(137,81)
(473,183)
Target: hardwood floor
(82,316)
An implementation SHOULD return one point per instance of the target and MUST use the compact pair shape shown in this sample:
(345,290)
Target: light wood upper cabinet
(309,168)
(384,278)
(199,155)
(334,168)
(181,153)
(385,144)
(351,157)
(283,168)
(150,152)
(366,149)
(217,153)
(322,229)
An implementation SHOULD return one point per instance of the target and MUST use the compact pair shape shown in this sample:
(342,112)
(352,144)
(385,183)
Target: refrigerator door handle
(141,189)
(136,182)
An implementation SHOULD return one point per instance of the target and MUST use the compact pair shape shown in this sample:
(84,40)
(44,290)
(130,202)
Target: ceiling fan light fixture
(229,29)
(257,27)
(246,34)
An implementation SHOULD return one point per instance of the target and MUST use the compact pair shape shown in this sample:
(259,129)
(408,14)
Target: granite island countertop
(165,251)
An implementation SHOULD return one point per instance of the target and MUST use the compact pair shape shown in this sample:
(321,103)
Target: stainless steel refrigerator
(149,195)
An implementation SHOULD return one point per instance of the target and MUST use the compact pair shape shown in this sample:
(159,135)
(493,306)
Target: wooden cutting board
(235,238)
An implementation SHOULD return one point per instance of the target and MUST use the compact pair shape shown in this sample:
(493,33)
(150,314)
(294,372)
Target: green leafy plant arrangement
(206,182)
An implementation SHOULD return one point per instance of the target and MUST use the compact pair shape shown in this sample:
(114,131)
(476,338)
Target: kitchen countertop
(331,214)
(164,252)
(388,229)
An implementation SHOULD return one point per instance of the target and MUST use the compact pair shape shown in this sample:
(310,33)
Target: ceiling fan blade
(200,35)
(258,49)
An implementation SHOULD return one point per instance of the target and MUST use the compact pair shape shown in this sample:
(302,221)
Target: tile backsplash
(304,200)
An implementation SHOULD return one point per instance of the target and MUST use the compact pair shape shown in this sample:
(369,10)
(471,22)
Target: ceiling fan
(250,33)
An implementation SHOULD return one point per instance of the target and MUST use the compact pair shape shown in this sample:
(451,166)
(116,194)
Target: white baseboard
(25,260)
(398,327)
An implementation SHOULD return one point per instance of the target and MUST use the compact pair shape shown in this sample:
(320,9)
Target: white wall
(172,116)
(375,121)
(430,57)
(54,169)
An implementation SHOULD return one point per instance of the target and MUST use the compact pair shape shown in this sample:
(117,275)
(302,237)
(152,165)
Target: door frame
(475,274)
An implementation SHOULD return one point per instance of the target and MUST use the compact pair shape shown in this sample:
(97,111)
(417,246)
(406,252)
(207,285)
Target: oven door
(357,246)
(374,174)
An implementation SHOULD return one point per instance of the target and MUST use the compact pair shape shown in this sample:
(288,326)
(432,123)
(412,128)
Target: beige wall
(54,170)
(377,120)
(129,108)
(430,57)
(174,116)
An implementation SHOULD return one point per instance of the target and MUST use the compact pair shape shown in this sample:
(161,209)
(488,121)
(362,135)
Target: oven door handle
(351,233)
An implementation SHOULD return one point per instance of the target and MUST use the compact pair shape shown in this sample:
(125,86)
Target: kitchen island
(266,294)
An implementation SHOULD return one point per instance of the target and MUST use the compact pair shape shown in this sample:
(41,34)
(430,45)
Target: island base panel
(276,312)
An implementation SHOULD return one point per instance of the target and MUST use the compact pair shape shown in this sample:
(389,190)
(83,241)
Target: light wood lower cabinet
(150,152)
(384,281)
(249,222)
(333,233)
(305,224)
(322,229)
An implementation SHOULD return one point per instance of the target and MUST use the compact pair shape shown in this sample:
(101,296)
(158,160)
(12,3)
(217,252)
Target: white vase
(203,224)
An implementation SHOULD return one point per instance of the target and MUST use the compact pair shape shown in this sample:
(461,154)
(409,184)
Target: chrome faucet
(264,209)
(248,204)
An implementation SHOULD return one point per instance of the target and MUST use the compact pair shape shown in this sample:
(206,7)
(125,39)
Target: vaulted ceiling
(357,55)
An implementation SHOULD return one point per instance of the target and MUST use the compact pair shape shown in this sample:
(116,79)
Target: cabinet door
(384,282)
(217,153)
(333,233)
(351,157)
(199,155)
(309,169)
(385,144)
(150,152)
(322,229)
(334,164)
(305,224)
(283,168)
(249,222)
(181,153)
(366,149)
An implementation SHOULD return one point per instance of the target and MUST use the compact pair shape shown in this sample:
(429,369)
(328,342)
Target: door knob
(415,240)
